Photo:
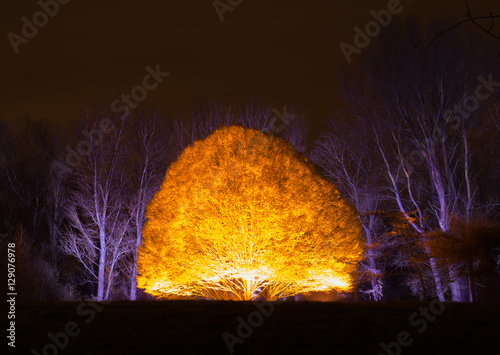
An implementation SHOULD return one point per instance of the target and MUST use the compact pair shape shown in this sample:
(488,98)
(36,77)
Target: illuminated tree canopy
(241,214)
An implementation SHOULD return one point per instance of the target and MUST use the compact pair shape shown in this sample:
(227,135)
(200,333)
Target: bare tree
(409,100)
(296,128)
(469,248)
(25,157)
(150,150)
(98,218)
(346,158)
(206,115)
(55,195)
(478,21)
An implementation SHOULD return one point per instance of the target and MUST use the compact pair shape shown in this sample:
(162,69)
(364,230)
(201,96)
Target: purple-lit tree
(206,115)
(150,152)
(99,220)
(295,128)
(413,103)
(347,159)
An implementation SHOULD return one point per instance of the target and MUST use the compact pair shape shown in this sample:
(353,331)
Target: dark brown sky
(280,51)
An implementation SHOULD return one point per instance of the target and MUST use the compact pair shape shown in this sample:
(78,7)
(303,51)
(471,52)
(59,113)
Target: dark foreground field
(193,327)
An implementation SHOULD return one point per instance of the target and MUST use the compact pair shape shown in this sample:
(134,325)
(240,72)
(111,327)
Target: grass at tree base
(197,327)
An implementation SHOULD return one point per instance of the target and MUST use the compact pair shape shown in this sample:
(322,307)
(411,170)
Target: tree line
(413,147)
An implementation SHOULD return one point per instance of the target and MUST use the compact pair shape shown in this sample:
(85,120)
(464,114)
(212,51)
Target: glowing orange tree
(241,213)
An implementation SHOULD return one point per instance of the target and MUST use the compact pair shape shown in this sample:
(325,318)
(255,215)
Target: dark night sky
(280,51)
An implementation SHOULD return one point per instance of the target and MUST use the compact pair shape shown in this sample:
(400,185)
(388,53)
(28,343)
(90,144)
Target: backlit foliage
(242,213)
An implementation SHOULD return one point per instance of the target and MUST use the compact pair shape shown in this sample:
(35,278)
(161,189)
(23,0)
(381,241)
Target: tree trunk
(371,262)
(247,290)
(472,287)
(133,283)
(437,279)
(133,280)
(422,284)
(102,267)
(457,287)
(434,268)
